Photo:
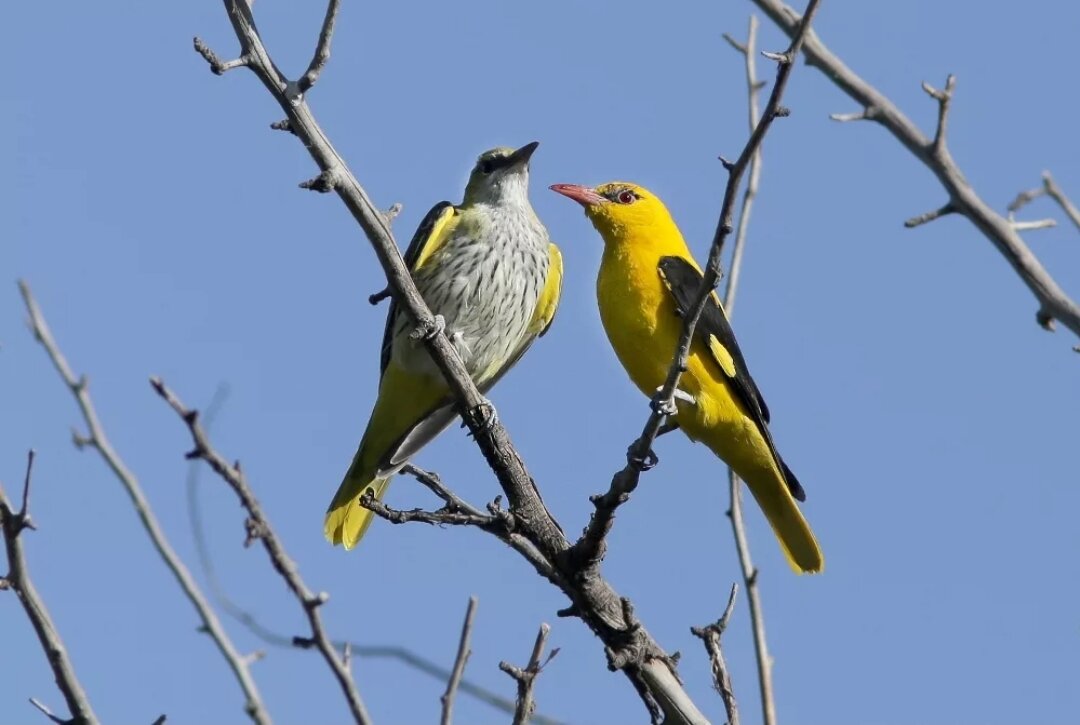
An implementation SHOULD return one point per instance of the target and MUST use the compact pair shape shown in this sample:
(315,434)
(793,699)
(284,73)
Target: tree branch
(934,154)
(14,523)
(96,439)
(357,649)
(735,511)
(631,648)
(525,678)
(1049,188)
(259,528)
(710,635)
(459,665)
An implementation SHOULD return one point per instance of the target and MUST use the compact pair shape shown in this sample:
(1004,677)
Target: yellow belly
(639,316)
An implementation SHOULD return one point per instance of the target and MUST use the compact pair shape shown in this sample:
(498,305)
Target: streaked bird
(648,279)
(487,269)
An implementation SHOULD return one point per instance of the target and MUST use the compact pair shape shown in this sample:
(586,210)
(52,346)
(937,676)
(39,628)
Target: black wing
(419,242)
(683,281)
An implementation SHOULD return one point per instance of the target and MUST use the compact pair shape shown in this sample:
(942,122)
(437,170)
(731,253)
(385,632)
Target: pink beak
(581,194)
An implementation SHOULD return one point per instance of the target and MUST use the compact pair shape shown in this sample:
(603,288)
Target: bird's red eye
(626,196)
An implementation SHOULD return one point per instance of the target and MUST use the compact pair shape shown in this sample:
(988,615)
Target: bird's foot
(641,463)
(667,406)
(428,330)
(485,414)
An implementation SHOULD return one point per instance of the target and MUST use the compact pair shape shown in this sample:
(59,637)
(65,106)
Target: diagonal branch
(259,528)
(97,440)
(13,523)
(629,645)
(1053,302)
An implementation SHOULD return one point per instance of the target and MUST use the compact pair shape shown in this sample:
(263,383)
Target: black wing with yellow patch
(714,331)
(428,237)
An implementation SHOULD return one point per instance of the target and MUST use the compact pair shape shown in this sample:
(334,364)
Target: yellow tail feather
(346,520)
(791,528)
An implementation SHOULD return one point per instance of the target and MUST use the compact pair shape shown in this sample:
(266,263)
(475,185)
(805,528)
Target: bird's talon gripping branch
(428,330)
(642,463)
(485,413)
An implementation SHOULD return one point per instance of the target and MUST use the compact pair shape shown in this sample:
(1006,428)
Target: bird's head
(616,208)
(501,175)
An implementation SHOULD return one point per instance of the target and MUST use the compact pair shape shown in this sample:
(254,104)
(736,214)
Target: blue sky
(932,422)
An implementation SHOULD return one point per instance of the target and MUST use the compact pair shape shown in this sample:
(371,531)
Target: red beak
(581,194)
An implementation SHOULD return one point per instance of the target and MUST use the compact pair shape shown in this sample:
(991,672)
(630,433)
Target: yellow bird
(488,271)
(647,279)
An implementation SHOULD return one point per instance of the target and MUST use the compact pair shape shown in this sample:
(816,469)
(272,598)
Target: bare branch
(13,523)
(260,529)
(753,596)
(1033,225)
(348,648)
(526,703)
(459,664)
(930,216)
(752,88)
(996,228)
(218,66)
(1049,188)
(322,49)
(208,620)
(943,98)
(547,548)
(710,635)
(1054,192)
(735,512)
(590,548)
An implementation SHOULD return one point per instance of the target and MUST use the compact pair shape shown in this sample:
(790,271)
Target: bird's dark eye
(626,196)
(487,166)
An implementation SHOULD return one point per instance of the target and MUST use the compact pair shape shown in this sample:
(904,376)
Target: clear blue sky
(932,422)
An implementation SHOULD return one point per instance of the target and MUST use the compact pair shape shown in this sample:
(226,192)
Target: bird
(647,281)
(488,270)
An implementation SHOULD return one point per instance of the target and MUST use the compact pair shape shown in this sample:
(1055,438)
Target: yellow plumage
(645,268)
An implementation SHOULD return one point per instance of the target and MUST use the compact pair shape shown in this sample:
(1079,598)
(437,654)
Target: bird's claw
(485,414)
(667,406)
(641,463)
(428,330)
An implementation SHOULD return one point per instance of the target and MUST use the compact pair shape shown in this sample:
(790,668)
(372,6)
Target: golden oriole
(647,279)
(488,271)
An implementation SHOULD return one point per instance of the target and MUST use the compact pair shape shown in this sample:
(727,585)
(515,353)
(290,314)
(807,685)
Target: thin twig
(259,528)
(1054,192)
(354,649)
(631,649)
(1049,188)
(1054,303)
(460,661)
(735,512)
(753,87)
(322,49)
(18,580)
(525,678)
(710,635)
(753,597)
(96,439)
(590,547)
